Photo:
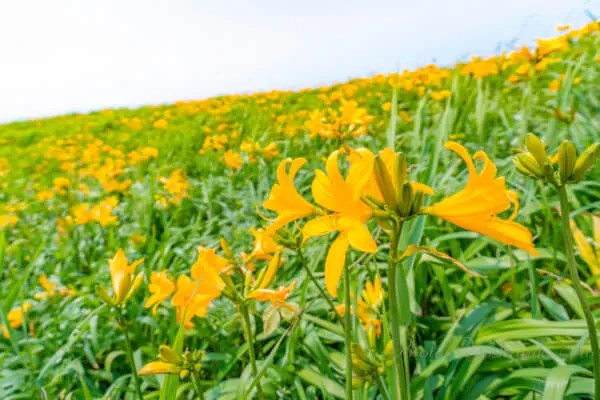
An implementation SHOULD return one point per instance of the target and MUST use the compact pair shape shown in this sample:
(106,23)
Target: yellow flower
(159,368)
(160,124)
(15,318)
(587,252)
(138,239)
(554,85)
(277,297)
(161,287)
(121,273)
(264,245)
(193,298)
(7,220)
(548,46)
(284,199)
(44,195)
(82,214)
(343,198)
(368,305)
(51,289)
(373,293)
(475,207)
(232,159)
(60,184)
(102,213)
(270,151)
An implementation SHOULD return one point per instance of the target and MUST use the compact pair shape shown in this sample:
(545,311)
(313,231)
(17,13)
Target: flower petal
(334,264)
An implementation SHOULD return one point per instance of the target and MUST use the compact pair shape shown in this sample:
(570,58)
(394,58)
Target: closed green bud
(137,282)
(225,247)
(184,374)
(407,200)
(585,161)
(567,155)
(537,148)
(401,174)
(167,354)
(527,165)
(384,182)
(417,203)
(103,294)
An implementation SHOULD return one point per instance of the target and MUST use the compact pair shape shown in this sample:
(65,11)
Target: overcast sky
(64,56)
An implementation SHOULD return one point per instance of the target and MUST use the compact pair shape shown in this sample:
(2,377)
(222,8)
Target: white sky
(63,56)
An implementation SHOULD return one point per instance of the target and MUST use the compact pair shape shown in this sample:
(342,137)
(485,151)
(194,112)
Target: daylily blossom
(161,287)
(476,206)
(348,213)
(285,199)
(121,274)
(589,250)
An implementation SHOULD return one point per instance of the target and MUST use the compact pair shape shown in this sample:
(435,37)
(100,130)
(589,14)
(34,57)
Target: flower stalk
(129,351)
(348,332)
(398,322)
(589,318)
(250,341)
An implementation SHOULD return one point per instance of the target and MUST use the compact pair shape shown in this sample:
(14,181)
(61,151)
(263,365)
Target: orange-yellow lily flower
(161,287)
(343,198)
(121,274)
(264,244)
(476,206)
(285,199)
(587,252)
(277,297)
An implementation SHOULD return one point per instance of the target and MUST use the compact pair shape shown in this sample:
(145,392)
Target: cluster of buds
(400,200)
(536,164)
(170,363)
(367,367)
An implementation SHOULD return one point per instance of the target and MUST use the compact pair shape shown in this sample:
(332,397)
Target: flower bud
(184,374)
(567,154)
(537,148)
(407,199)
(167,354)
(527,165)
(585,161)
(401,174)
(103,294)
(137,282)
(159,368)
(384,181)
(225,247)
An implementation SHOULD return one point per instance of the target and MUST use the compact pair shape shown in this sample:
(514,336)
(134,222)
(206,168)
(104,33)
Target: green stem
(129,351)
(383,390)
(348,332)
(589,318)
(319,287)
(250,340)
(400,353)
(196,382)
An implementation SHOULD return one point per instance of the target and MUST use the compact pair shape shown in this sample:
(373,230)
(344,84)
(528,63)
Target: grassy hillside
(252,311)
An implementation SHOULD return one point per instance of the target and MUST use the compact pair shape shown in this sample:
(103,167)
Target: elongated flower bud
(527,165)
(567,155)
(585,161)
(167,354)
(401,175)
(384,181)
(537,148)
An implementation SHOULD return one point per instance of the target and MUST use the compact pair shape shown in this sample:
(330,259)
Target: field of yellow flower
(432,234)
